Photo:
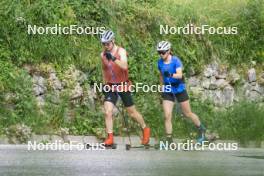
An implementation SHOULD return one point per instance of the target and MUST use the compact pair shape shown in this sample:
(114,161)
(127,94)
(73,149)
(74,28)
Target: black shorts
(181,97)
(125,97)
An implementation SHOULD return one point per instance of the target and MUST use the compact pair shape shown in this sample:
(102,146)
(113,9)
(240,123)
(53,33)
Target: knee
(108,113)
(188,114)
(167,116)
(132,113)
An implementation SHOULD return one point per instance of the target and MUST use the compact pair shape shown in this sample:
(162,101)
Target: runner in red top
(115,72)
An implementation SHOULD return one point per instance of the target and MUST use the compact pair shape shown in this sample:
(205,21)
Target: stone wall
(47,84)
(223,87)
(218,84)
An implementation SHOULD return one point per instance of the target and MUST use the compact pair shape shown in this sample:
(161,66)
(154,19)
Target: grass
(136,24)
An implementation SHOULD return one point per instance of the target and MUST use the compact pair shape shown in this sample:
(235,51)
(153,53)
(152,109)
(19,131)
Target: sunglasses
(162,52)
(106,44)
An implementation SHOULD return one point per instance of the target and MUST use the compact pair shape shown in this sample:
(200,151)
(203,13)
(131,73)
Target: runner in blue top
(171,68)
(171,76)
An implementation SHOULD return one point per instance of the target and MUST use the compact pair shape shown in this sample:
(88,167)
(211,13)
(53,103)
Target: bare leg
(132,111)
(186,109)
(167,108)
(108,110)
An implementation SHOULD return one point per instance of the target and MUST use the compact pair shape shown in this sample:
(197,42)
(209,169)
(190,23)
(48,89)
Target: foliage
(17,100)
(137,26)
(243,121)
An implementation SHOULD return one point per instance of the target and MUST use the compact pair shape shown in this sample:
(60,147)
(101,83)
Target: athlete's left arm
(123,59)
(179,66)
(178,74)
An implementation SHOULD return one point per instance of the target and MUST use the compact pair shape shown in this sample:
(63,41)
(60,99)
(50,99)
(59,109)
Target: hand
(109,56)
(167,74)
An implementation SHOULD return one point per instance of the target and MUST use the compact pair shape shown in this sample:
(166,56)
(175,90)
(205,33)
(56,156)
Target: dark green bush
(243,121)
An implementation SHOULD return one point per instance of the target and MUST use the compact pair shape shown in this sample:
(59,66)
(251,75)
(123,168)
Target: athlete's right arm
(102,54)
(161,81)
(160,75)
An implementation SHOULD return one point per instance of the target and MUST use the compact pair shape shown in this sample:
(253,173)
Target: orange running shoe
(146,135)
(109,140)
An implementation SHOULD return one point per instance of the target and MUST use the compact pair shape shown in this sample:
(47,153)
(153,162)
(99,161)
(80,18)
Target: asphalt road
(18,161)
